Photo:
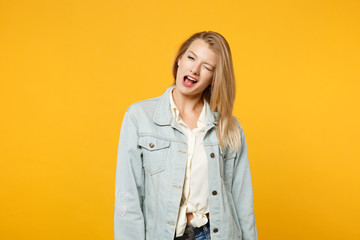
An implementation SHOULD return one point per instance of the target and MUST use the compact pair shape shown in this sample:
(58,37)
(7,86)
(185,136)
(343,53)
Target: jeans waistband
(194,233)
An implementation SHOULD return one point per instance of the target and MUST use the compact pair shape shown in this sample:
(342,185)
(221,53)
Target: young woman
(182,168)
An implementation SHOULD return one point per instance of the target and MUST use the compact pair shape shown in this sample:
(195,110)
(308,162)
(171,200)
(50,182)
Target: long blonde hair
(221,93)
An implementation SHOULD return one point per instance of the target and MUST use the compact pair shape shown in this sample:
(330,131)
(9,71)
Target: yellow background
(69,70)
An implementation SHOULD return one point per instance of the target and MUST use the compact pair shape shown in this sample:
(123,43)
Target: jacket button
(212,155)
(151,145)
(215,230)
(214,193)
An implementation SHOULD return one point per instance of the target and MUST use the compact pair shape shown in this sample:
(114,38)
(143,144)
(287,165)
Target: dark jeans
(194,233)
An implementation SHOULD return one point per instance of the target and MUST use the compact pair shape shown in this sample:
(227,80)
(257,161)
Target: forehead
(202,50)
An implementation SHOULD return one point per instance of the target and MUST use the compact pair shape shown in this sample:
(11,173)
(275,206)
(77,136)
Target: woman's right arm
(129,184)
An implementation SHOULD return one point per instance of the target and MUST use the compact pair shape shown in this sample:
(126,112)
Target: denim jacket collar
(163,114)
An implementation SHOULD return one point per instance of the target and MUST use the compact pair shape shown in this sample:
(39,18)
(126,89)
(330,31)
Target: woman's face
(195,68)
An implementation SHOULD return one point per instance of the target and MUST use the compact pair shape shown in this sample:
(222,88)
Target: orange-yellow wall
(69,70)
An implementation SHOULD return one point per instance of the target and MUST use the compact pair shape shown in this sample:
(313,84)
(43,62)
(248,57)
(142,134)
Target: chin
(188,92)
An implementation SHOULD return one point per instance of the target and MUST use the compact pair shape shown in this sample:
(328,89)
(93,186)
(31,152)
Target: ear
(178,60)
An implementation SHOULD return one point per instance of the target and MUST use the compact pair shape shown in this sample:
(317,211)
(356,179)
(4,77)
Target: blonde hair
(221,94)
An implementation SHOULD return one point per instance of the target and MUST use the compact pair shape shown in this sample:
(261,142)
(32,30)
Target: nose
(195,68)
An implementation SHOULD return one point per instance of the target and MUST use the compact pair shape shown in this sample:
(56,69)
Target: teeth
(192,79)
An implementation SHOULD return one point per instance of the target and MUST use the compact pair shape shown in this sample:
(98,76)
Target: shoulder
(239,126)
(144,106)
(147,104)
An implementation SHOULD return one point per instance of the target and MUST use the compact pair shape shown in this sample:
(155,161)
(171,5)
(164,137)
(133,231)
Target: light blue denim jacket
(150,173)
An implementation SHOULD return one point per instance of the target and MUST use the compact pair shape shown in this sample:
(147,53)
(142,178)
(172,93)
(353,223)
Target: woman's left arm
(242,192)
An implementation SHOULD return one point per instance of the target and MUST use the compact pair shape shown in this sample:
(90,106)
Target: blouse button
(214,193)
(212,155)
(151,145)
(215,230)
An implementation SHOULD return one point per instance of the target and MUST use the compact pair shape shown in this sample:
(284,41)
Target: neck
(187,103)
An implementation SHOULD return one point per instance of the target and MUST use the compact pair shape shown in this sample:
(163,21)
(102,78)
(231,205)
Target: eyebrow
(205,62)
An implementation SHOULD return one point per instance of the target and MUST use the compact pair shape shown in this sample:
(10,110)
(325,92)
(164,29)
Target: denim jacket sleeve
(242,192)
(129,184)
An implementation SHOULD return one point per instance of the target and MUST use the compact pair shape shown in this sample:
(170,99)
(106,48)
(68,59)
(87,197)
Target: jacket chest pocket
(155,151)
(229,160)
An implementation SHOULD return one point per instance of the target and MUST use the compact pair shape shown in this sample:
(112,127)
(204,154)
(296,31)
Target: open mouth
(189,81)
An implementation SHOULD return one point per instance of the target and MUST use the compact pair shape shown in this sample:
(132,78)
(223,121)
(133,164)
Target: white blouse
(195,196)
